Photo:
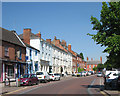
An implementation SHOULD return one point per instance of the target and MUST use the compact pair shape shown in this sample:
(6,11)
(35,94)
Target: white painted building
(45,49)
(33,59)
(62,61)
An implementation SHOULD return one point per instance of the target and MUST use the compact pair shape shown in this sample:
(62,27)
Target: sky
(69,21)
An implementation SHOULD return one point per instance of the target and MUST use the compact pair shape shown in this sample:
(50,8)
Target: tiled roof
(93,62)
(10,36)
(32,36)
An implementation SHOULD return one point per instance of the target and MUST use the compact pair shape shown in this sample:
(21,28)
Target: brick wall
(12,54)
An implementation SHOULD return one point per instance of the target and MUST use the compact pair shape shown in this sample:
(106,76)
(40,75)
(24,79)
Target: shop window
(11,70)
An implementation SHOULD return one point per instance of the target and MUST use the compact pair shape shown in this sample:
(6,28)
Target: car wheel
(46,81)
(29,83)
(37,82)
(59,79)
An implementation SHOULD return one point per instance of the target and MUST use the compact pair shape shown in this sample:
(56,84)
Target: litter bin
(17,82)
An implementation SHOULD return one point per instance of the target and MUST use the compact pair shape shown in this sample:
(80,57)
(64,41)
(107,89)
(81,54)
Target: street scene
(60,48)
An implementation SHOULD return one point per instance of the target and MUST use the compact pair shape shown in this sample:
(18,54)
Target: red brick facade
(11,60)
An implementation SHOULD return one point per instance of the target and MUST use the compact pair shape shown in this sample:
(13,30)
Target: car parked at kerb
(29,79)
(54,76)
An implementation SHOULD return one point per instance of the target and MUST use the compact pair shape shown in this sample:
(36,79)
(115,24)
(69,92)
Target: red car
(29,79)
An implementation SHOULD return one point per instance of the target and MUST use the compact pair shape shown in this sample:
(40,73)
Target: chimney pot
(26,35)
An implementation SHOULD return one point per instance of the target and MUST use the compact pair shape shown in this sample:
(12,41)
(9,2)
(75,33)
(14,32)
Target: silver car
(99,74)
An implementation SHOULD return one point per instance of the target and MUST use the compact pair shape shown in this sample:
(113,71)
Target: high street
(74,85)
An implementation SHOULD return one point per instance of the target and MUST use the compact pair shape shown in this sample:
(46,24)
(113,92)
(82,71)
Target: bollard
(18,82)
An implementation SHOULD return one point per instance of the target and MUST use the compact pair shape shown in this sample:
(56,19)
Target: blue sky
(69,21)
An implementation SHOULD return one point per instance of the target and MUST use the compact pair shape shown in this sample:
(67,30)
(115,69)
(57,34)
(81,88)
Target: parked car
(91,72)
(54,76)
(78,74)
(84,73)
(118,82)
(111,79)
(88,73)
(99,74)
(43,76)
(28,79)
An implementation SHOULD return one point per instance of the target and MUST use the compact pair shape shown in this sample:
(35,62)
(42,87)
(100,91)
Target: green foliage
(81,54)
(80,69)
(108,31)
(95,68)
(100,67)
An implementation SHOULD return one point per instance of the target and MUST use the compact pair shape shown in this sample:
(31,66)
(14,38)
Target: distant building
(90,64)
(62,58)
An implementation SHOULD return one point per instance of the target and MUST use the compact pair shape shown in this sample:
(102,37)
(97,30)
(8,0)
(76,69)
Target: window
(35,52)
(30,53)
(19,54)
(90,66)
(6,51)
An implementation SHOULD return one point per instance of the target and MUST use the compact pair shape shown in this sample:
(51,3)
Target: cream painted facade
(61,61)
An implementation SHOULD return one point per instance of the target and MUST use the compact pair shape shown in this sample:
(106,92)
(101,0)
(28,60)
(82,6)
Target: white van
(43,76)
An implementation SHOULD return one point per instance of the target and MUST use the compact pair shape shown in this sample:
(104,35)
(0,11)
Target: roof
(93,62)
(58,48)
(31,47)
(10,36)
(32,36)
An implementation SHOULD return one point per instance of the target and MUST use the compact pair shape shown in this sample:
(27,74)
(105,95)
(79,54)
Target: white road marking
(90,92)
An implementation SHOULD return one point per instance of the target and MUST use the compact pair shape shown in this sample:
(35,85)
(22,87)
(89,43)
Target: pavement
(13,87)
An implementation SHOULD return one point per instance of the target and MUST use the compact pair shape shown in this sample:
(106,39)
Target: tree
(108,31)
(95,68)
(80,69)
(100,67)
(81,54)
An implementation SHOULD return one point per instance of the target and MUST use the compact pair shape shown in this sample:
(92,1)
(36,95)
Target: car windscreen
(51,74)
(100,73)
(39,73)
(26,76)
(56,74)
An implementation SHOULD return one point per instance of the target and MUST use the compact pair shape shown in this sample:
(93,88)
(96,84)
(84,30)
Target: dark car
(118,82)
(29,79)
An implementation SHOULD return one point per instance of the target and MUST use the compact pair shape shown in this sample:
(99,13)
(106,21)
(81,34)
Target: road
(75,85)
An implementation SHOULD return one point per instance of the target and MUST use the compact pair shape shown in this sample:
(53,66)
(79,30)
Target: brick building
(90,64)
(12,55)
(74,59)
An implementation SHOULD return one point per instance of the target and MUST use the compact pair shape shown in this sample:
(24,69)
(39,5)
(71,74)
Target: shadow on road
(101,87)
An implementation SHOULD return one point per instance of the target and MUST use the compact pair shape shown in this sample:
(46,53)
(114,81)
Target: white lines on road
(88,90)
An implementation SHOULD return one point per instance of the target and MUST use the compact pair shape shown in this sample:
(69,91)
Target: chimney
(69,47)
(91,59)
(55,38)
(26,35)
(48,40)
(38,34)
(87,59)
(101,59)
(63,43)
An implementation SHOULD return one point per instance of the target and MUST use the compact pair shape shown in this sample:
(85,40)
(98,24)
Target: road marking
(16,90)
(90,92)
